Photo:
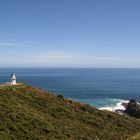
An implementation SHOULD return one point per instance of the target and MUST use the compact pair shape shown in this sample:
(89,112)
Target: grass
(33,114)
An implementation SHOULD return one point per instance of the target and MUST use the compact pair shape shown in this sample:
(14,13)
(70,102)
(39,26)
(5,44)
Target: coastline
(130,108)
(119,106)
(105,103)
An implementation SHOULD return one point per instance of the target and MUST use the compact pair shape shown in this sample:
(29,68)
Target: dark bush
(60,96)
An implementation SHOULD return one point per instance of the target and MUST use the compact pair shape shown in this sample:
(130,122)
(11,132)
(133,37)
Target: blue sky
(70,33)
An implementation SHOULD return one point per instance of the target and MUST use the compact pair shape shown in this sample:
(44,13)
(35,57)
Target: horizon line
(72,67)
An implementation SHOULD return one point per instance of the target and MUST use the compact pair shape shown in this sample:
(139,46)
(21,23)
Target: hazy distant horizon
(69,67)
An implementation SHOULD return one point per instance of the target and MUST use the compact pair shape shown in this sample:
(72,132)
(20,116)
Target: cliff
(31,113)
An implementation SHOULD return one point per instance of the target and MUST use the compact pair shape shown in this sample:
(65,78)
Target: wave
(105,103)
(117,106)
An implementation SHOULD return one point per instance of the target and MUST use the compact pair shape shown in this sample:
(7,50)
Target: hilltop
(34,114)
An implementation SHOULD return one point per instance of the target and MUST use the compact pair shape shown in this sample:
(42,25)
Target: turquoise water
(97,87)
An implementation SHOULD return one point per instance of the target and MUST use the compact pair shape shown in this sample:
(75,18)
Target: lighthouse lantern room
(13,79)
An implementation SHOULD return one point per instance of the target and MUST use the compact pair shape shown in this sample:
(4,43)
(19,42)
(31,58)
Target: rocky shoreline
(132,109)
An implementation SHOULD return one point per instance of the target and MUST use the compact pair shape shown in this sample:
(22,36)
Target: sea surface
(102,88)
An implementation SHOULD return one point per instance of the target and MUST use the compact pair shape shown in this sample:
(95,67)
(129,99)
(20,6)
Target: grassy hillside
(33,114)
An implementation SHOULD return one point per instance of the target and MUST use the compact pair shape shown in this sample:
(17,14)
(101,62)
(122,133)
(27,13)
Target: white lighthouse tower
(13,79)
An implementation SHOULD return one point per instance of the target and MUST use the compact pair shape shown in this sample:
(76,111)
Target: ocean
(102,88)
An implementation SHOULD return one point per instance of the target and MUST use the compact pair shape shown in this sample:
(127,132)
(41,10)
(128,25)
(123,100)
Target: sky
(70,33)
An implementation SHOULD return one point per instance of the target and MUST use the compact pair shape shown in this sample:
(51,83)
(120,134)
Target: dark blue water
(98,87)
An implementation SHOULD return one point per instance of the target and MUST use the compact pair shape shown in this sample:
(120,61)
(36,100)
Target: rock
(125,104)
(137,114)
(133,109)
(119,111)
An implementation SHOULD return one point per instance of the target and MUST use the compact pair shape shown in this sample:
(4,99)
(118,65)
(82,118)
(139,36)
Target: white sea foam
(117,106)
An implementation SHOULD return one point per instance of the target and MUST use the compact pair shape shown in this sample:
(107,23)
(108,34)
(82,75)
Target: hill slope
(30,113)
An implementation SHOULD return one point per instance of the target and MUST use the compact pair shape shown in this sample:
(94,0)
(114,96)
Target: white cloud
(65,59)
(8,44)
(52,58)
(107,58)
(17,44)
(69,59)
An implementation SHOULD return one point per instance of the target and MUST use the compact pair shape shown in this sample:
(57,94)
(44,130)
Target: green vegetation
(33,114)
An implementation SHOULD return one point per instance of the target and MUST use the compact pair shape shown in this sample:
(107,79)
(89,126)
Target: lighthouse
(13,79)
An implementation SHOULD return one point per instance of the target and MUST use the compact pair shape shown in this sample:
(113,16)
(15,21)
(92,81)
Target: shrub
(60,96)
